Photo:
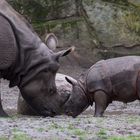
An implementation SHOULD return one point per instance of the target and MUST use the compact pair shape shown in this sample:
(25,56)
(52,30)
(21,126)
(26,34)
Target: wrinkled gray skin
(116,79)
(63,87)
(28,63)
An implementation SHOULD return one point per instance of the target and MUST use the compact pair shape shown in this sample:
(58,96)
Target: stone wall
(99,29)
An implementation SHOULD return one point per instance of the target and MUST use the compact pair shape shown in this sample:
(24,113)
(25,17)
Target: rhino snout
(64,97)
(70,113)
(48,112)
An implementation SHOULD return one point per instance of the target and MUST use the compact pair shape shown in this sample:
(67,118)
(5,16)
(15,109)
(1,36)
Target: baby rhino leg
(138,86)
(101,103)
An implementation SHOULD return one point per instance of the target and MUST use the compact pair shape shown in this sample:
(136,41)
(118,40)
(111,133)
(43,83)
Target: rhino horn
(71,81)
(63,53)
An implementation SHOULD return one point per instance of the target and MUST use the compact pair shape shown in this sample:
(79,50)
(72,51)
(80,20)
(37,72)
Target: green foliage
(41,129)
(41,13)
(132,22)
(133,120)
(19,135)
(38,10)
(3,138)
(102,134)
(117,1)
(33,9)
(125,138)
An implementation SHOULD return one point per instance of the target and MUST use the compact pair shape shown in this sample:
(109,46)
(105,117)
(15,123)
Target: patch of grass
(15,130)
(41,129)
(132,22)
(133,119)
(54,125)
(62,129)
(78,132)
(102,134)
(82,137)
(15,117)
(125,138)
(100,120)
(70,127)
(19,135)
(4,138)
(81,134)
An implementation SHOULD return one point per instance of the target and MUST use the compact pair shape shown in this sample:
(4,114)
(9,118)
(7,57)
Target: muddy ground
(119,123)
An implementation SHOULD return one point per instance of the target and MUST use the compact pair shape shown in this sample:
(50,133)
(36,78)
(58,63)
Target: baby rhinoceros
(116,79)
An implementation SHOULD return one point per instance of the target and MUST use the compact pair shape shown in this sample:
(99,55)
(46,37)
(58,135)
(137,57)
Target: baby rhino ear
(51,41)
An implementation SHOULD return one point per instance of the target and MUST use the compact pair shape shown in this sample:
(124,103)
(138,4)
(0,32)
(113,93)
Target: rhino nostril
(69,113)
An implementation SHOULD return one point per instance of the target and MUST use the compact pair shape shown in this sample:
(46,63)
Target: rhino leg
(8,47)
(101,103)
(138,86)
(2,112)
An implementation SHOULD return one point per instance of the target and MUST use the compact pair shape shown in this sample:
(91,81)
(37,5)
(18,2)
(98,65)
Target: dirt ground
(120,122)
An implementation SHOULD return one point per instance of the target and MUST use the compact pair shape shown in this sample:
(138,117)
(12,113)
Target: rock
(114,22)
(62,86)
(135,2)
(99,29)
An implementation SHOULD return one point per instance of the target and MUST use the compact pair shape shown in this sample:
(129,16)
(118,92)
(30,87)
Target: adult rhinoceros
(28,63)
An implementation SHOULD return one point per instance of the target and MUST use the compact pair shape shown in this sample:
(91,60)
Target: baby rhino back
(123,75)
(117,77)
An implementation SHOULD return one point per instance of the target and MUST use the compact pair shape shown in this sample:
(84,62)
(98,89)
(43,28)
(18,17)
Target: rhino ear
(71,81)
(51,41)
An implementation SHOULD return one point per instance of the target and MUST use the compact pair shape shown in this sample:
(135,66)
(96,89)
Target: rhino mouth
(47,113)
(71,114)
(66,100)
(55,110)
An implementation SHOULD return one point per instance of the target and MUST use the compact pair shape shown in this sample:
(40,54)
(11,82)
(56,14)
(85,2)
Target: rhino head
(40,92)
(77,101)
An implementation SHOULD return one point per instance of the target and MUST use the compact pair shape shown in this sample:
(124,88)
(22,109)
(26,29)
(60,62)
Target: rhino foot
(98,115)
(3,114)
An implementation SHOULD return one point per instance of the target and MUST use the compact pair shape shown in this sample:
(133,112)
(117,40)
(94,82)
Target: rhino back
(117,76)
(8,48)
(123,73)
(122,66)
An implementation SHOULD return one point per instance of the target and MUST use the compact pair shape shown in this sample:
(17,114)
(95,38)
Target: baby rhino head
(77,101)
